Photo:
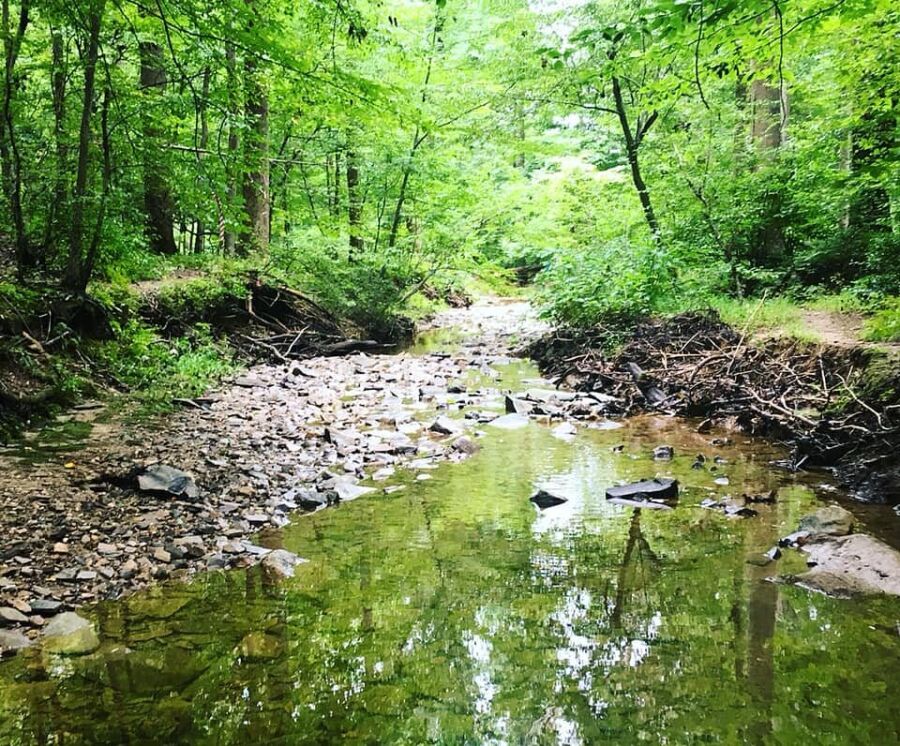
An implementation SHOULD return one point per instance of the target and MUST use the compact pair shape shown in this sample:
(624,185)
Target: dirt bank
(838,406)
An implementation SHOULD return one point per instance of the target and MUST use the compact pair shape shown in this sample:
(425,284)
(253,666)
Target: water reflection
(454,612)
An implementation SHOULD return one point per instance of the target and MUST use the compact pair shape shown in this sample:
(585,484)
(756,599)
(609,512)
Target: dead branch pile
(694,365)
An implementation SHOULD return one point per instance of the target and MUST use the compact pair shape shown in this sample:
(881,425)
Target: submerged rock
(510,422)
(70,634)
(663,453)
(544,499)
(261,646)
(832,520)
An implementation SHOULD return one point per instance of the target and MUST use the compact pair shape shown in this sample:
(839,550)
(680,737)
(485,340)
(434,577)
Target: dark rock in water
(663,453)
(661,488)
(465,444)
(699,462)
(796,539)
(544,499)
(444,426)
(166,480)
(517,406)
(70,634)
(769,499)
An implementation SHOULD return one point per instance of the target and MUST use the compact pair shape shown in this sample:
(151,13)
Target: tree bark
(200,238)
(354,204)
(157,196)
(58,92)
(77,270)
(256,153)
(633,140)
(9,151)
(232,164)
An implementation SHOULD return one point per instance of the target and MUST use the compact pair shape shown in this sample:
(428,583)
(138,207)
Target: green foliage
(884,325)
(157,369)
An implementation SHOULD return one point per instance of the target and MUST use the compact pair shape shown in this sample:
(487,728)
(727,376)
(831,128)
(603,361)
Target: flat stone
(10,616)
(12,641)
(162,479)
(70,634)
(464,444)
(45,606)
(509,422)
(444,426)
(855,564)
(831,520)
(661,488)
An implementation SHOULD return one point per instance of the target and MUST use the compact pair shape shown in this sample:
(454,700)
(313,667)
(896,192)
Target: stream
(453,611)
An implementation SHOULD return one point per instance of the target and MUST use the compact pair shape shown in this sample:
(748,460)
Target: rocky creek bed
(199,489)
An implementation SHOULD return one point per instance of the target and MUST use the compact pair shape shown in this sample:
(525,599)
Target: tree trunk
(633,140)
(256,154)
(233,165)
(200,238)
(157,196)
(354,204)
(77,270)
(9,151)
(768,116)
(58,91)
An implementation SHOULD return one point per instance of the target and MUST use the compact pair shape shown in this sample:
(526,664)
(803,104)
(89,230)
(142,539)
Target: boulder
(10,616)
(70,634)
(855,564)
(444,426)
(517,406)
(660,488)
(831,520)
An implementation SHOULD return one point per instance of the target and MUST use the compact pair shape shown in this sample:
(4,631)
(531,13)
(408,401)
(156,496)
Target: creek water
(454,612)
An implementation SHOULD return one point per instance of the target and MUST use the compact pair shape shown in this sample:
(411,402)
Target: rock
(663,453)
(310,499)
(128,569)
(517,406)
(60,548)
(544,499)
(10,616)
(70,634)
(831,520)
(348,490)
(45,606)
(444,426)
(281,563)
(161,555)
(854,564)
(509,422)
(465,444)
(166,480)
(661,488)
(12,641)
(192,546)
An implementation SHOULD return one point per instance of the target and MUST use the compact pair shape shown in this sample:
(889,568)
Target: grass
(884,325)
(768,314)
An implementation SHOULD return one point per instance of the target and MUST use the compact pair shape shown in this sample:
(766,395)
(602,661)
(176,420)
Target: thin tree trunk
(78,271)
(354,204)
(633,140)
(233,166)
(157,196)
(9,151)
(200,239)
(58,91)
(256,153)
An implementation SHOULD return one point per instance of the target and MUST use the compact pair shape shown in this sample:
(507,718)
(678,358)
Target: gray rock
(45,606)
(444,426)
(10,616)
(70,634)
(855,564)
(281,563)
(831,520)
(465,444)
(162,479)
(510,422)
(12,641)
(517,406)
(663,453)
(661,488)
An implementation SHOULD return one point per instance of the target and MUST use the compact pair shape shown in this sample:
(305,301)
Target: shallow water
(454,612)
